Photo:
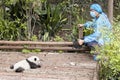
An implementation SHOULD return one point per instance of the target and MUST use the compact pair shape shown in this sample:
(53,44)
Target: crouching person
(101,28)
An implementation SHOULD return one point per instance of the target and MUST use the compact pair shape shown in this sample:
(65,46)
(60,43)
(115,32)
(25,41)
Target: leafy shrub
(52,20)
(110,56)
(58,38)
(9,30)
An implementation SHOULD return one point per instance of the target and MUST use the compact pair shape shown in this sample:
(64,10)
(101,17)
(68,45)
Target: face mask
(92,14)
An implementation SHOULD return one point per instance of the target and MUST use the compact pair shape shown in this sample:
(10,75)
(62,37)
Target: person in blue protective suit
(100,25)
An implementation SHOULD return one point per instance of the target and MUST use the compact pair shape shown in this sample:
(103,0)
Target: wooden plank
(35,43)
(80,32)
(47,48)
(19,45)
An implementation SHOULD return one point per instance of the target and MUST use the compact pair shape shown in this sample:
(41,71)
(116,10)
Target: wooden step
(19,45)
(46,48)
(35,43)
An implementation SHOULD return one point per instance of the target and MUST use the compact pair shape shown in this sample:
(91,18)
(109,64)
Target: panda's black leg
(39,66)
(11,67)
(20,69)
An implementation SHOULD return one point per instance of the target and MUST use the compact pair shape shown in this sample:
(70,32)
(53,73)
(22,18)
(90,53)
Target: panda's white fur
(29,63)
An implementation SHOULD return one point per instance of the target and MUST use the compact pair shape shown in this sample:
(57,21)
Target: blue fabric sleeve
(88,24)
(92,37)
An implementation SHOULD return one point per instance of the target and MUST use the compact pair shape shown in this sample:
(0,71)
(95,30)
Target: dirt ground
(55,66)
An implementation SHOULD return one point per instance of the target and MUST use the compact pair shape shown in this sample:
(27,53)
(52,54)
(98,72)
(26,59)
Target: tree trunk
(110,10)
(3,9)
(29,16)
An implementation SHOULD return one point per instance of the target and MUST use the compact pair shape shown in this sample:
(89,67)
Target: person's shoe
(76,44)
(95,57)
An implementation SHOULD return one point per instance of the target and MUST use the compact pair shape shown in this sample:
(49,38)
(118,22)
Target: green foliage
(54,20)
(34,38)
(36,50)
(46,36)
(9,30)
(58,38)
(26,51)
(110,56)
(60,51)
(116,8)
(79,20)
(51,19)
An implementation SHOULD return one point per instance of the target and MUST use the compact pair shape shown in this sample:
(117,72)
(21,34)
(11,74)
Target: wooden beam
(80,32)
(35,43)
(19,45)
(46,48)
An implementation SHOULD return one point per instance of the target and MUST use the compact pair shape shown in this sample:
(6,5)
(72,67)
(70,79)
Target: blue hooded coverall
(101,26)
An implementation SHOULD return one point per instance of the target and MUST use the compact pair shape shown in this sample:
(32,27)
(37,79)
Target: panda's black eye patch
(35,59)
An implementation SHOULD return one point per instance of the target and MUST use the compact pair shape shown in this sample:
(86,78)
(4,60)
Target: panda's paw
(20,69)
(11,67)
(39,66)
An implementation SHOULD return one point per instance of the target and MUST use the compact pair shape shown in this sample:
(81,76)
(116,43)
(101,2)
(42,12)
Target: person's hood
(96,7)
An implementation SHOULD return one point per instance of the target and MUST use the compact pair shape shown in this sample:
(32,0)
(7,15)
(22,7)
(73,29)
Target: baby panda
(29,63)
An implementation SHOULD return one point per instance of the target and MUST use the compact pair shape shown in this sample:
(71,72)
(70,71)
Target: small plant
(26,51)
(58,38)
(34,38)
(36,50)
(60,51)
(10,31)
(46,36)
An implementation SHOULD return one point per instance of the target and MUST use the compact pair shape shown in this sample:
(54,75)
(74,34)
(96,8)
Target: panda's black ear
(35,59)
